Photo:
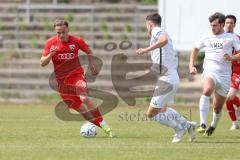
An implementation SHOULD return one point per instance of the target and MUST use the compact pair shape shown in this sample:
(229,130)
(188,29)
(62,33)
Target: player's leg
(218,102)
(74,102)
(238,113)
(167,116)
(204,102)
(232,100)
(69,90)
(97,116)
(78,95)
(238,105)
(235,85)
(235,99)
(82,92)
(92,109)
(77,104)
(77,91)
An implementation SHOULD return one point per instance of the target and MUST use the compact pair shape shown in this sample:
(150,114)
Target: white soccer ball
(88,130)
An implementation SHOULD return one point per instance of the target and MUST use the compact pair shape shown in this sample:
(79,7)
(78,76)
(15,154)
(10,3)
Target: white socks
(204,103)
(216,117)
(102,123)
(234,122)
(179,118)
(172,119)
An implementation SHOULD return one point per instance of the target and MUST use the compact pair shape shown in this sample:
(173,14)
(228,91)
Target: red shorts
(70,90)
(235,81)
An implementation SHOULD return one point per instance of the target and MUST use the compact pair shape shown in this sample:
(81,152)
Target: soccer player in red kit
(232,99)
(72,87)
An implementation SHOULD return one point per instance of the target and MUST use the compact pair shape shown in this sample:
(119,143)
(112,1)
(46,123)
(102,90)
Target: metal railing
(28,8)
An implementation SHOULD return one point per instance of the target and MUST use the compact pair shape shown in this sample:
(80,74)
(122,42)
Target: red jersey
(236,65)
(65,60)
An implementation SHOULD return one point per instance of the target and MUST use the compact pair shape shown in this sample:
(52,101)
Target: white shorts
(222,83)
(165,90)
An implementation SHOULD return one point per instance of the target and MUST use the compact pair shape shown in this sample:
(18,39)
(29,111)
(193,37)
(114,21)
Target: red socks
(94,116)
(97,117)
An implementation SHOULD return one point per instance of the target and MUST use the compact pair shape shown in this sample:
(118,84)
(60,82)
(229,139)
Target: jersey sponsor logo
(216,45)
(66,56)
(72,47)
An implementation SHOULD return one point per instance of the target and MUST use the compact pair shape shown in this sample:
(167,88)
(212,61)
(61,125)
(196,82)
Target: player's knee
(229,97)
(149,115)
(207,92)
(84,99)
(154,111)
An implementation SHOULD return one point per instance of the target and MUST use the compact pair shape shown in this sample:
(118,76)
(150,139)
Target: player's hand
(192,70)
(237,80)
(53,50)
(141,51)
(226,57)
(94,71)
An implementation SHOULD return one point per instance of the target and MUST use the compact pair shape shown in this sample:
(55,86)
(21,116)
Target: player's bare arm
(162,41)
(45,60)
(193,56)
(91,62)
(235,57)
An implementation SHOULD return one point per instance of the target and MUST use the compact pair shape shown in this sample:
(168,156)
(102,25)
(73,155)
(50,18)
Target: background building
(187,20)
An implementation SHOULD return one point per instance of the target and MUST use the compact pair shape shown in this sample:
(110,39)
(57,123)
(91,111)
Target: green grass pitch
(33,132)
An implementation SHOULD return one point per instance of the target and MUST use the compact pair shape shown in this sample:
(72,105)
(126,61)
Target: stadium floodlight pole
(28,11)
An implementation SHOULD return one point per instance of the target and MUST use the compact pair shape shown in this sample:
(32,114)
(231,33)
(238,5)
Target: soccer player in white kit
(159,109)
(216,69)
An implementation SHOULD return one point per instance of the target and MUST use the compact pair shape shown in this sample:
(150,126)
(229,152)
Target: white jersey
(215,48)
(169,55)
